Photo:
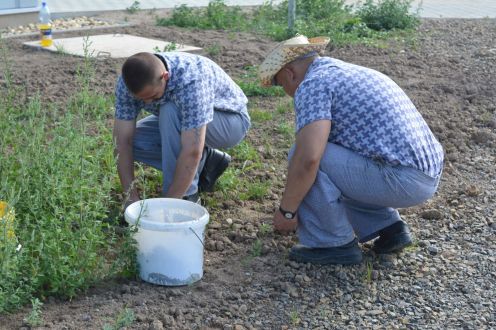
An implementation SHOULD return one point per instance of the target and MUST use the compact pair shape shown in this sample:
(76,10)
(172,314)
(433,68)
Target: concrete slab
(110,45)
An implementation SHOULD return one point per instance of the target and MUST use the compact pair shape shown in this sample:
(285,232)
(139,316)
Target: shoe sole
(396,244)
(350,260)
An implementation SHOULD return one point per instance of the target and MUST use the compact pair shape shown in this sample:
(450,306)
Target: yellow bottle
(45,26)
(45,35)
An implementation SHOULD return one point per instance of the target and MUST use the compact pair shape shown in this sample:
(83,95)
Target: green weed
(294,317)
(285,129)
(213,50)
(255,190)
(260,116)
(250,84)
(34,317)
(251,88)
(284,108)
(256,249)
(368,272)
(167,48)
(245,151)
(124,319)
(265,229)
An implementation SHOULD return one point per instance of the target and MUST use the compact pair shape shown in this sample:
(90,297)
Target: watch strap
(287,214)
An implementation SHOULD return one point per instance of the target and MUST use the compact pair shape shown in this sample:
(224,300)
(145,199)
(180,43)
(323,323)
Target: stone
(432,214)
(156,325)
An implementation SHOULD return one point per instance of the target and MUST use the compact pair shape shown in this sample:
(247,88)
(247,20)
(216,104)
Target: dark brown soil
(449,71)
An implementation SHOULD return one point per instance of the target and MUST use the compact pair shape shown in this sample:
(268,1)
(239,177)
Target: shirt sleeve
(126,106)
(196,103)
(313,102)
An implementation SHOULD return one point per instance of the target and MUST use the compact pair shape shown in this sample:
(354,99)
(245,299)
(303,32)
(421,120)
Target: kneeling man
(195,107)
(362,150)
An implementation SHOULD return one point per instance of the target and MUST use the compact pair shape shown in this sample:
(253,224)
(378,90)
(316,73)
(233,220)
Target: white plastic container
(170,239)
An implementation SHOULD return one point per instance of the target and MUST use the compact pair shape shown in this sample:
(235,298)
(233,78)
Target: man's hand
(283,225)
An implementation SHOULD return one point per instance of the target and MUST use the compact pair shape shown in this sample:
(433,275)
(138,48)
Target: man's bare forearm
(125,168)
(301,176)
(186,167)
(192,143)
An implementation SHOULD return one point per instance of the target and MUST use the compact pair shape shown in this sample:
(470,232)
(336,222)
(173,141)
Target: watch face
(288,215)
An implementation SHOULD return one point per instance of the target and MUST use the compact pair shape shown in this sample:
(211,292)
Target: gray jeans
(356,196)
(157,140)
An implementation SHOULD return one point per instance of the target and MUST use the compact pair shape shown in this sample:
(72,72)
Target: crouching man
(362,150)
(195,108)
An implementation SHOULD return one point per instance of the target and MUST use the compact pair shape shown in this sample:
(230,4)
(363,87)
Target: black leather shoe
(393,238)
(348,254)
(195,198)
(216,163)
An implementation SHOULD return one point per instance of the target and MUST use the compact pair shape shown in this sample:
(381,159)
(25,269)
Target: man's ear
(165,75)
(290,73)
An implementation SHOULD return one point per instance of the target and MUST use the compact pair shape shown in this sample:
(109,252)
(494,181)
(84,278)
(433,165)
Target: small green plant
(135,6)
(256,249)
(245,151)
(250,84)
(253,88)
(260,116)
(167,48)
(294,317)
(59,49)
(124,319)
(255,191)
(285,129)
(265,229)
(213,50)
(283,108)
(34,317)
(368,271)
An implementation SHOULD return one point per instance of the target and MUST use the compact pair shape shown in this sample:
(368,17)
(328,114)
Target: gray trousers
(356,196)
(157,139)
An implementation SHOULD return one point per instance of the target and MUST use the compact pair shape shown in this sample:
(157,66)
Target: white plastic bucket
(170,239)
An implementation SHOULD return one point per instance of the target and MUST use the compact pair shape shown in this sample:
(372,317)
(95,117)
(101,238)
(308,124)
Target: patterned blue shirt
(370,114)
(196,85)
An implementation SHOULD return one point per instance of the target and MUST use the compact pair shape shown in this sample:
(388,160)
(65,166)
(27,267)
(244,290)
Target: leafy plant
(256,249)
(294,317)
(167,48)
(313,18)
(265,229)
(250,84)
(213,50)
(125,318)
(34,317)
(258,115)
(61,184)
(388,15)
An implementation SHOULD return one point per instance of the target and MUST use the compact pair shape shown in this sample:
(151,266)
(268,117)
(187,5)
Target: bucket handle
(194,232)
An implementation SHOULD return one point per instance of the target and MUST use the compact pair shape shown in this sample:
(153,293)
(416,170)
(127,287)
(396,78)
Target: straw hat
(286,52)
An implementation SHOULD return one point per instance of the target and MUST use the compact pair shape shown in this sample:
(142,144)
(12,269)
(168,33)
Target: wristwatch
(287,214)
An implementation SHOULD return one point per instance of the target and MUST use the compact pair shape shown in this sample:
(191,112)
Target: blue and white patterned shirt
(370,114)
(196,85)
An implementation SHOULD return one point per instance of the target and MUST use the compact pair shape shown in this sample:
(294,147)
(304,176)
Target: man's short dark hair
(139,71)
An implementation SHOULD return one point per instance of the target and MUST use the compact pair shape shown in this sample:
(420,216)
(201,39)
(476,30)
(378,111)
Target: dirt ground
(447,280)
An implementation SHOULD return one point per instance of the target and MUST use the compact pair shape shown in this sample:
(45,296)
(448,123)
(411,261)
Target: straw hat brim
(285,53)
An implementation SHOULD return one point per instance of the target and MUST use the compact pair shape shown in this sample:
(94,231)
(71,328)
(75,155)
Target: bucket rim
(166,226)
